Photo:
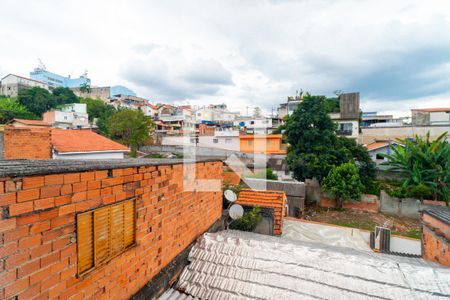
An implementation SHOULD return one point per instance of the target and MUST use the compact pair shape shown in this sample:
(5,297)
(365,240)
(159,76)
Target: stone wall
(39,205)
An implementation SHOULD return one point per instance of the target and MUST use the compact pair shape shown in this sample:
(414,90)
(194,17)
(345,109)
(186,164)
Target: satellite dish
(230,195)
(242,124)
(236,211)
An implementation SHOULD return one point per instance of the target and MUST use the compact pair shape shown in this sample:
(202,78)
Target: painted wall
(269,144)
(370,134)
(91,155)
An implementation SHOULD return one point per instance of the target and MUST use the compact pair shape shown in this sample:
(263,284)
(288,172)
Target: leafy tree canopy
(64,95)
(11,108)
(99,110)
(130,127)
(343,183)
(37,100)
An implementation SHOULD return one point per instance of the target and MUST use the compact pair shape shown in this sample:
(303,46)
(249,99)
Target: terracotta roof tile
(376,145)
(82,141)
(32,122)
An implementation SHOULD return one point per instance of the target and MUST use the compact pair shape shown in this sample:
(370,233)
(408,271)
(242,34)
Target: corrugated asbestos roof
(440,213)
(241,265)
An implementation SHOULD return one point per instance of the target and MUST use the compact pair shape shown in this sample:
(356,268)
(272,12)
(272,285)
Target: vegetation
(315,148)
(37,100)
(100,111)
(343,183)
(249,220)
(64,95)
(130,127)
(426,164)
(264,174)
(11,108)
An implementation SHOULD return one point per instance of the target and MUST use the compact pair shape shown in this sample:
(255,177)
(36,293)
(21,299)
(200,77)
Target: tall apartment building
(54,80)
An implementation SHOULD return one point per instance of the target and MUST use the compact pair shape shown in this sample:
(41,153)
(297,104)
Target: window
(215,141)
(252,122)
(249,142)
(379,156)
(269,143)
(227,141)
(103,233)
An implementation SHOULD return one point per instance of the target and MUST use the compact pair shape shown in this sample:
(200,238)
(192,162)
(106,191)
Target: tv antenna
(41,65)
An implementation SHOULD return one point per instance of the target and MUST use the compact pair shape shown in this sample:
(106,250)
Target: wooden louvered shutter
(101,234)
(129,220)
(85,242)
(117,229)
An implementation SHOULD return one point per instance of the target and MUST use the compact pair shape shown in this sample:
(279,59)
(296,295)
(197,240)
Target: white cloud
(244,53)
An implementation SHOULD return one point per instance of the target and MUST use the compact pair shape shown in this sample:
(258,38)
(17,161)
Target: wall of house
(435,240)
(90,155)
(439,117)
(38,257)
(370,134)
(270,144)
(27,143)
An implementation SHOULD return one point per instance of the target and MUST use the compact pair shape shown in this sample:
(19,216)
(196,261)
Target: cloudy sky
(243,53)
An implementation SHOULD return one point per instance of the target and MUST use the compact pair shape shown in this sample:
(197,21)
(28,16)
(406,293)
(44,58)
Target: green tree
(64,95)
(100,111)
(426,164)
(249,220)
(343,183)
(311,135)
(11,108)
(130,127)
(37,100)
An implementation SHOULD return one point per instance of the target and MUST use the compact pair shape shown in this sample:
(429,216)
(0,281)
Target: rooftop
(440,213)
(66,140)
(17,168)
(243,265)
(445,109)
(32,122)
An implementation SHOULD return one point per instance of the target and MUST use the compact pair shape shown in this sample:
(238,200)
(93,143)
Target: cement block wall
(405,207)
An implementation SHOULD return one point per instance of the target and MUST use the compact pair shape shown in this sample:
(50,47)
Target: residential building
(373,119)
(215,114)
(262,143)
(255,125)
(30,123)
(69,116)
(106,93)
(377,149)
(128,101)
(149,110)
(84,144)
(287,108)
(54,80)
(180,118)
(371,134)
(430,116)
(11,84)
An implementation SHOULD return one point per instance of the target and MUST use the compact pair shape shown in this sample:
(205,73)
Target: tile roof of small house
(268,198)
(244,265)
(32,122)
(66,140)
(444,109)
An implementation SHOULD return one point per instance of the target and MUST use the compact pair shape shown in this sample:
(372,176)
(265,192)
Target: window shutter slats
(104,233)
(129,219)
(85,242)
(101,234)
(117,229)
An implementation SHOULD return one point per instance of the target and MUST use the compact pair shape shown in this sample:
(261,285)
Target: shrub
(264,174)
(343,183)
(249,220)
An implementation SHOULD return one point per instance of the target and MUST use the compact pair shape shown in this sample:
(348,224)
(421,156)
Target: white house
(378,148)
(11,84)
(68,116)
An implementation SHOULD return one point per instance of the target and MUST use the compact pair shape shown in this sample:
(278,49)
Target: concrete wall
(405,207)
(370,134)
(90,155)
(295,192)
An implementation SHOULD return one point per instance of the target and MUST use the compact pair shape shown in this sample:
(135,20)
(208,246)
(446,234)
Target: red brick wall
(27,143)
(231,178)
(435,240)
(38,258)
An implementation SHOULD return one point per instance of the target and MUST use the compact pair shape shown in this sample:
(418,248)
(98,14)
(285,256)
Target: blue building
(120,90)
(55,80)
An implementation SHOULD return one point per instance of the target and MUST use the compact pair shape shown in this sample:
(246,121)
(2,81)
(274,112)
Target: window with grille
(103,233)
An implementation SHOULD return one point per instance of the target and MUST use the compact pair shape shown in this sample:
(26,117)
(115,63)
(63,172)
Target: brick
(30,292)
(48,214)
(79,187)
(40,276)
(49,282)
(60,243)
(7,277)
(44,203)
(87,176)
(15,234)
(93,194)
(101,174)
(2,187)
(7,199)
(10,186)
(56,290)
(8,249)
(27,195)
(66,189)
(41,251)
(62,220)
(77,197)
(32,182)
(8,224)
(53,179)
(50,260)
(94,185)
(30,242)
(40,227)
(71,178)
(16,260)
(70,272)
(62,200)
(28,268)
(20,208)
(16,287)
(66,209)
(50,191)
